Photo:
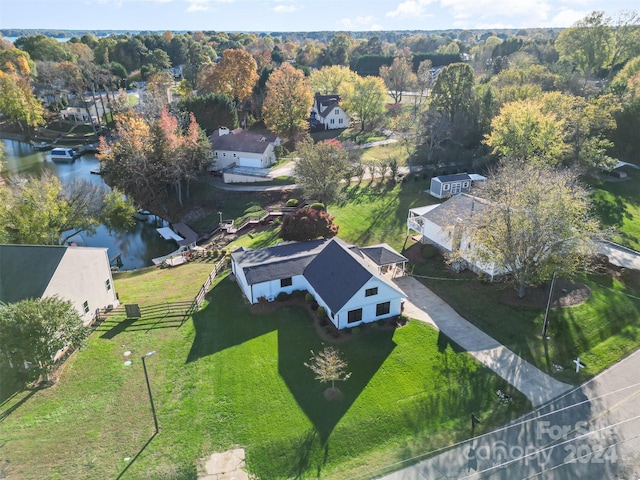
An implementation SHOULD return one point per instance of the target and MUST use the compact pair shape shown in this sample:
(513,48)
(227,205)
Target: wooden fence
(199,300)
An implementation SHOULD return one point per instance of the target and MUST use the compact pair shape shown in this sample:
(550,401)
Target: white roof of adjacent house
(420,211)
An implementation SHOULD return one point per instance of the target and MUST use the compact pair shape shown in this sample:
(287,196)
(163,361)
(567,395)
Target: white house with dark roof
(442,226)
(241,148)
(81,275)
(328,112)
(344,279)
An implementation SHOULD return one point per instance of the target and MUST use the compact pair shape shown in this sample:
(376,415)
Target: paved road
(591,433)
(620,256)
(423,304)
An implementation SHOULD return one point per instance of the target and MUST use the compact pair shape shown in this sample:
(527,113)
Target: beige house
(81,275)
(240,148)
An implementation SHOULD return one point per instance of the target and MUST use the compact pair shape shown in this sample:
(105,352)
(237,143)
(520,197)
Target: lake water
(136,247)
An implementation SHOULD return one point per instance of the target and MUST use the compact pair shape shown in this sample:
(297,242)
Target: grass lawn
(601,331)
(376,212)
(232,377)
(618,206)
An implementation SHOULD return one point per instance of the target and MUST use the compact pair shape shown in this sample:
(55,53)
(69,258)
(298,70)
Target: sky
(299,15)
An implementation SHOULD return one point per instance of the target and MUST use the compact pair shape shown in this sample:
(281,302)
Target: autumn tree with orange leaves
(147,160)
(288,102)
(234,75)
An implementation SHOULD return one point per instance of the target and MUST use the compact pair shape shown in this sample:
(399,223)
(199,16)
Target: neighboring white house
(344,279)
(327,112)
(81,275)
(79,115)
(442,225)
(240,148)
(448,185)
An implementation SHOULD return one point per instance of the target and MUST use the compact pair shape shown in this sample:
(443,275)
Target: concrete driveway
(422,304)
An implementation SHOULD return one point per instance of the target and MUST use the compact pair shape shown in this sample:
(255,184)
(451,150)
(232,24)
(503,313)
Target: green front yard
(235,377)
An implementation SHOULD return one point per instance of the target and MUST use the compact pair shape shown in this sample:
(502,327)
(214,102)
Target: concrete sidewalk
(422,304)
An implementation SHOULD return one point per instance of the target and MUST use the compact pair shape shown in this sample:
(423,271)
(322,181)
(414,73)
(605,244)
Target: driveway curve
(424,305)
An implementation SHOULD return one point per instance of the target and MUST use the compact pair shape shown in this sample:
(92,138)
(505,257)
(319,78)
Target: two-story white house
(81,275)
(443,225)
(344,279)
(242,149)
(327,112)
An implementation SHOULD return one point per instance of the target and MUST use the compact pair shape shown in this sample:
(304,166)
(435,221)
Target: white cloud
(410,9)
(567,17)
(473,13)
(285,8)
(359,23)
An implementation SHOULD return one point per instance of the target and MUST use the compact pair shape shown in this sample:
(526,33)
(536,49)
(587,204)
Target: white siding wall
(81,277)
(368,304)
(436,188)
(242,281)
(336,117)
(271,289)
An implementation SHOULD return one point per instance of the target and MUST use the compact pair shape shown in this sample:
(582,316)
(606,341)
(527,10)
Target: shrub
(317,206)
(282,296)
(308,297)
(292,202)
(321,312)
(428,251)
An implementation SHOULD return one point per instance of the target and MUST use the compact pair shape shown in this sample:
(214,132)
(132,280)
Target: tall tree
(452,92)
(43,211)
(364,99)
(234,75)
(524,133)
(398,77)
(211,111)
(327,80)
(320,169)
(538,220)
(18,103)
(32,331)
(288,102)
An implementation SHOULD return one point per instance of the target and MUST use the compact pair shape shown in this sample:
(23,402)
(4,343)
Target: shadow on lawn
(228,321)
(160,315)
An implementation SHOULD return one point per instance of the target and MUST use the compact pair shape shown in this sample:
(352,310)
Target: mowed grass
(375,212)
(602,330)
(235,377)
(618,207)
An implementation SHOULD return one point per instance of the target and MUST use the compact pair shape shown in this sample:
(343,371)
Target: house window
(465,184)
(224,154)
(337,112)
(445,186)
(108,284)
(234,154)
(286,282)
(354,316)
(339,120)
(369,292)
(383,308)
(85,307)
(333,120)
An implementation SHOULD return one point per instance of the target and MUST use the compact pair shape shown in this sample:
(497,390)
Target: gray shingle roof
(337,273)
(241,141)
(383,254)
(280,261)
(461,207)
(26,270)
(454,177)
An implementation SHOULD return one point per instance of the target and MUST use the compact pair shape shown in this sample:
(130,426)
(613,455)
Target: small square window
(85,307)
(383,308)
(333,120)
(354,316)
(339,120)
(369,292)
(108,284)
(286,282)
(445,186)
(337,111)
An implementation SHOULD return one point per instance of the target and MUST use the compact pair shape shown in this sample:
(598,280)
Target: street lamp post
(220,213)
(146,377)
